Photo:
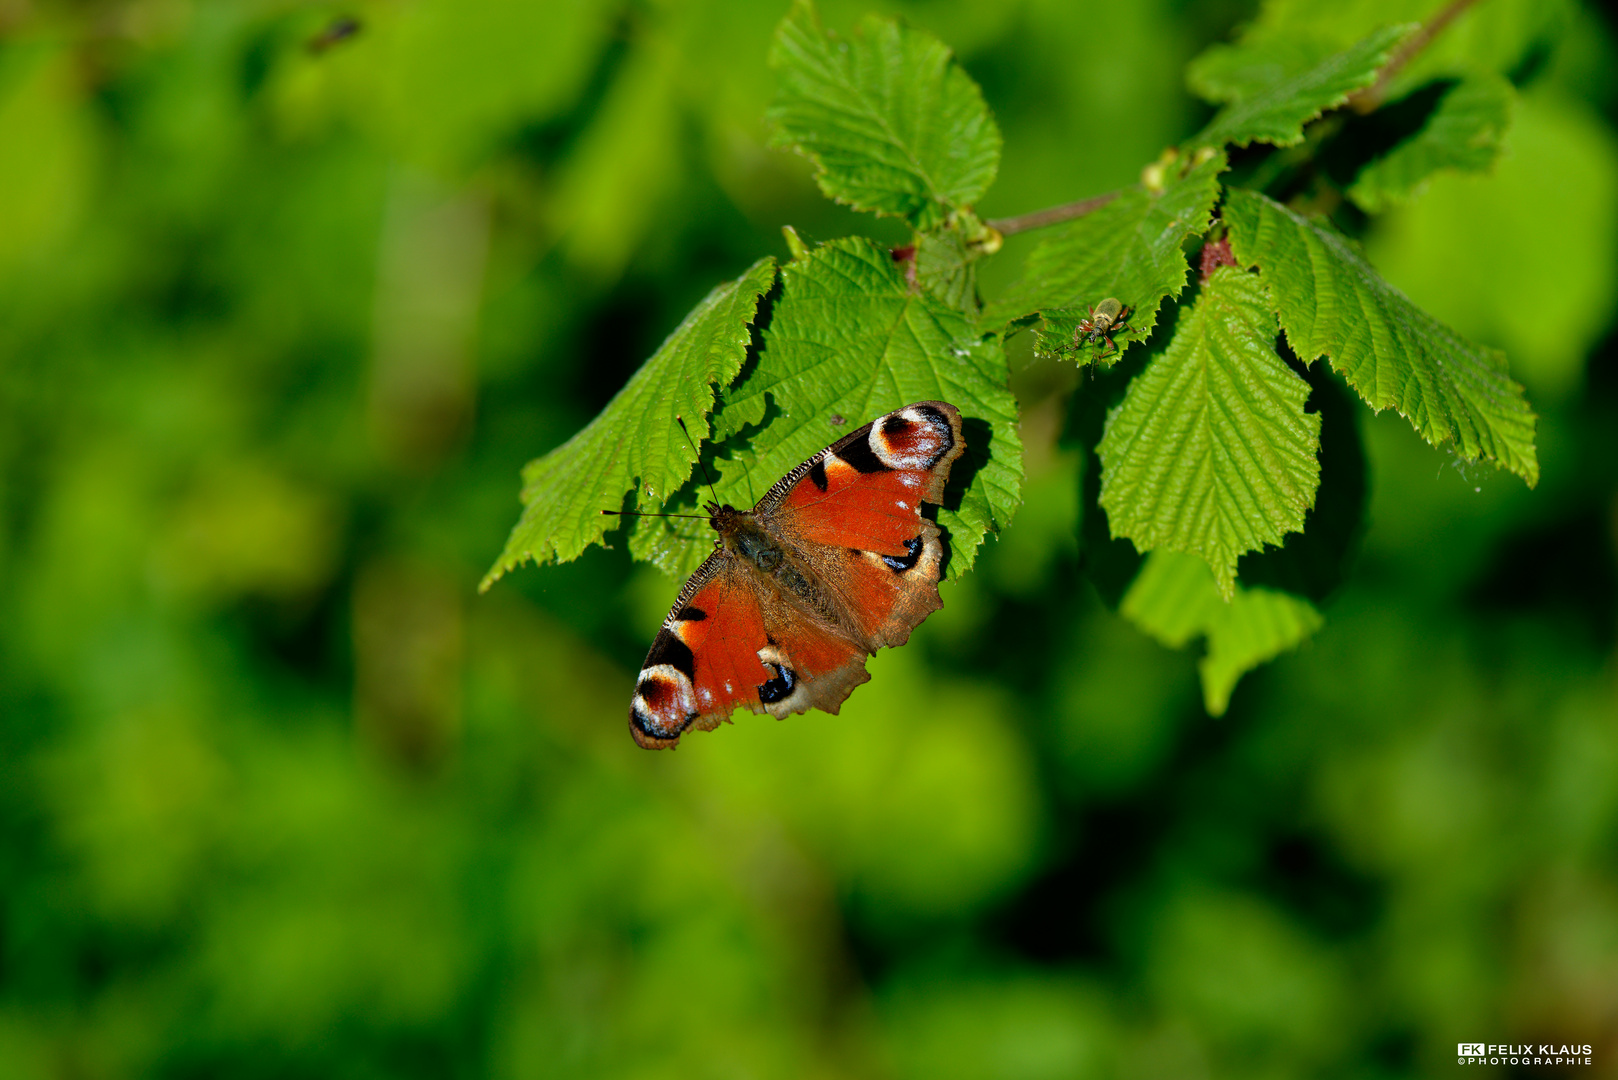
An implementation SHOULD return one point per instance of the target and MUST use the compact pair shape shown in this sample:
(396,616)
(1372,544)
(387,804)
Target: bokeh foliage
(283,310)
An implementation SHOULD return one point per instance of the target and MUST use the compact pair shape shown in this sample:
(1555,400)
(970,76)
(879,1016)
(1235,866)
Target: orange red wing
(856,510)
(704,661)
(865,491)
(723,647)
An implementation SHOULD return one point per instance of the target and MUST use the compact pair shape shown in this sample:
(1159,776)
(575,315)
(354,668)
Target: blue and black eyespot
(779,687)
(901,564)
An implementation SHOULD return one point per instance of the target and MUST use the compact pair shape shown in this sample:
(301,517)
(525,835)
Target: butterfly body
(834,562)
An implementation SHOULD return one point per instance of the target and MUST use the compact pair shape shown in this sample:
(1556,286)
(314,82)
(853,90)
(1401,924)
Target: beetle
(1106,319)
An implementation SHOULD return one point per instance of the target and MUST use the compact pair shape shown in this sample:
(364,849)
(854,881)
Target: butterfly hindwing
(890,595)
(816,666)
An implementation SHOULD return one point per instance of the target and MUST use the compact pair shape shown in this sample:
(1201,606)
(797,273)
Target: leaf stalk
(1053,215)
(1372,97)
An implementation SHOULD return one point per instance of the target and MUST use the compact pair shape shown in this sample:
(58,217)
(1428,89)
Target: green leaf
(1540,280)
(1110,562)
(1276,112)
(946,259)
(635,444)
(1314,562)
(1211,452)
(1498,36)
(850,339)
(1465,132)
(1332,303)
(892,123)
(1230,72)
(1175,598)
(946,267)
(1129,248)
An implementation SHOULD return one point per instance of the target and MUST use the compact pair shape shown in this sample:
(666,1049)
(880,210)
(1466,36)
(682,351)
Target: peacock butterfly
(834,562)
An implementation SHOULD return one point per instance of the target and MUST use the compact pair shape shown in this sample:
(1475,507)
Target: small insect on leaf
(1106,319)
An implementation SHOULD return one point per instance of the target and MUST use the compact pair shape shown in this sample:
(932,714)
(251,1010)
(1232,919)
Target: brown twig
(1051,215)
(1370,99)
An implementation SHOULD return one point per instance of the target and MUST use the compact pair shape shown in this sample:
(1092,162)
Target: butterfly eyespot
(662,689)
(903,564)
(860,455)
(664,702)
(913,438)
(779,687)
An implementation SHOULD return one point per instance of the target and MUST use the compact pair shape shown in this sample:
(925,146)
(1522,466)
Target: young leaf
(850,339)
(891,122)
(1500,36)
(1331,303)
(1464,132)
(1277,112)
(946,268)
(946,259)
(1211,452)
(634,444)
(1129,248)
(1174,599)
(1229,72)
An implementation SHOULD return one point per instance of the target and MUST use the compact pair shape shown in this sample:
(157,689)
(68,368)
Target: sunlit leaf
(1129,249)
(1540,279)
(1211,452)
(946,260)
(1332,303)
(849,339)
(1175,599)
(1227,72)
(891,122)
(1275,113)
(1464,132)
(1495,36)
(635,444)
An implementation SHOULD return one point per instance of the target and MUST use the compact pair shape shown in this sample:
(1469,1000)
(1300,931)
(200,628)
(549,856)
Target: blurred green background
(286,301)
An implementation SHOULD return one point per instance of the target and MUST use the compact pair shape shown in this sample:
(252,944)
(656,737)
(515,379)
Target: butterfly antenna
(681,421)
(642,513)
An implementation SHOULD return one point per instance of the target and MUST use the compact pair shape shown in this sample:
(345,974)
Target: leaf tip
(795,244)
(1216,688)
(496,572)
